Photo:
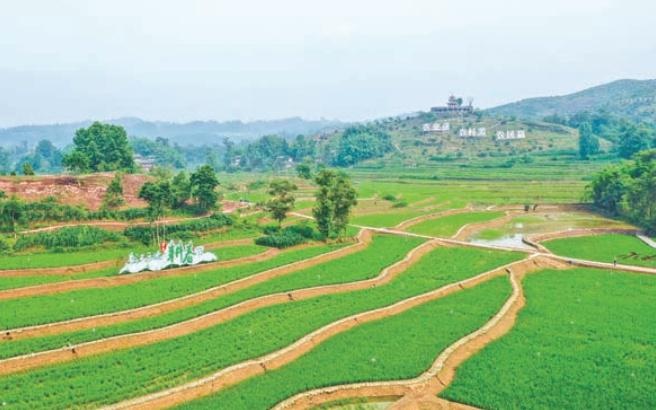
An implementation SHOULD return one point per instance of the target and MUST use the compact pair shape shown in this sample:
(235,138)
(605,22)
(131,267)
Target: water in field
(508,241)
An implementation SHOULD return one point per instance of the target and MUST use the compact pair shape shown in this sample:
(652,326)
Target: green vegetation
(99,148)
(584,340)
(629,190)
(607,248)
(108,378)
(69,305)
(359,266)
(399,347)
(282,200)
(334,200)
(183,230)
(73,237)
(288,236)
(114,195)
(447,226)
(360,143)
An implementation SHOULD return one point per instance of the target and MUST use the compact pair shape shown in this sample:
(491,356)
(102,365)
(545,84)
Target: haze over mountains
(632,99)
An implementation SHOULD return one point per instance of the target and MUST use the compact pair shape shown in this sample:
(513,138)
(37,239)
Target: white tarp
(172,254)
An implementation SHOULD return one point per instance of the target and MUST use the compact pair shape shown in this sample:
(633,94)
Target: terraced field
(402,316)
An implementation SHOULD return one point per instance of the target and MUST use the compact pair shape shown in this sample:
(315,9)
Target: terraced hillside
(410,310)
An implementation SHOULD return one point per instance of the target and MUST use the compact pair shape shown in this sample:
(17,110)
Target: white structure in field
(172,254)
(436,127)
(472,132)
(511,135)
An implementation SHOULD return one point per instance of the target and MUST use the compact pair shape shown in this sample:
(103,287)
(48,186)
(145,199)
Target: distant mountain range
(632,99)
(190,133)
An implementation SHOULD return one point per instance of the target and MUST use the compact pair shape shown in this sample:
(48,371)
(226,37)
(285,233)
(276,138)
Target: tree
(12,212)
(334,200)
(632,140)
(282,200)
(180,189)
(27,169)
(105,146)
(158,196)
(77,162)
(304,171)
(114,195)
(203,185)
(588,142)
(608,188)
(344,198)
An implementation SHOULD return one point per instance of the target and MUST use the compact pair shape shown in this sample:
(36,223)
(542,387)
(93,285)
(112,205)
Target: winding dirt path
(421,218)
(245,370)
(364,238)
(89,267)
(466,231)
(441,372)
(121,280)
(30,361)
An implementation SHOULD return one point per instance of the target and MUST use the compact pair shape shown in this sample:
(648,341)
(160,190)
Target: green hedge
(68,237)
(288,236)
(184,230)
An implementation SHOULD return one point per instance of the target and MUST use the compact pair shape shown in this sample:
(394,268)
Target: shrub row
(184,230)
(68,237)
(288,236)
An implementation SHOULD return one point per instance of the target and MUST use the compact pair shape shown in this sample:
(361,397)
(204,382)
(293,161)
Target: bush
(400,204)
(66,238)
(389,197)
(288,236)
(283,239)
(4,247)
(184,230)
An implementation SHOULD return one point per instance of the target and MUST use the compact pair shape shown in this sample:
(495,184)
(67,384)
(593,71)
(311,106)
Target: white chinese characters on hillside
(436,127)
(472,132)
(511,135)
(173,253)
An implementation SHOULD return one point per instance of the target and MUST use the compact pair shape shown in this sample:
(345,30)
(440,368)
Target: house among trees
(145,163)
(454,106)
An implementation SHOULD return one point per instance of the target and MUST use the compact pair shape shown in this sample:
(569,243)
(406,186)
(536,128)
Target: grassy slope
(449,225)
(362,265)
(108,378)
(586,339)
(62,306)
(604,248)
(398,347)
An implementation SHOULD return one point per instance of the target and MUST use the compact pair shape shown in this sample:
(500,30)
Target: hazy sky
(183,60)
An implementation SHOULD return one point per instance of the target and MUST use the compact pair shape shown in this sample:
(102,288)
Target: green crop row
(12,282)
(399,347)
(625,249)
(447,226)
(63,306)
(358,266)
(585,340)
(112,377)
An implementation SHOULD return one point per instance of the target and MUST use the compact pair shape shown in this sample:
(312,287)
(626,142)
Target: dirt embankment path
(425,387)
(571,233)
(35,360)
(419,219)
(245,370)
(468,230)
(120,280)
(89,267)
(364,238)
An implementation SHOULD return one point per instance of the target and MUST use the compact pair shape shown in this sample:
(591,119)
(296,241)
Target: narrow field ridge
(31,361)
(363,240)
(242,371)
(442,370)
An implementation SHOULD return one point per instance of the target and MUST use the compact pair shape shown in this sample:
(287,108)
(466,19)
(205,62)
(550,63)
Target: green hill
(632,99)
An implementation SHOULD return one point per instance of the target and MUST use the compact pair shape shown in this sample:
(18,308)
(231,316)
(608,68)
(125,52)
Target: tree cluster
(100,148)
(629,189)
(335,198)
